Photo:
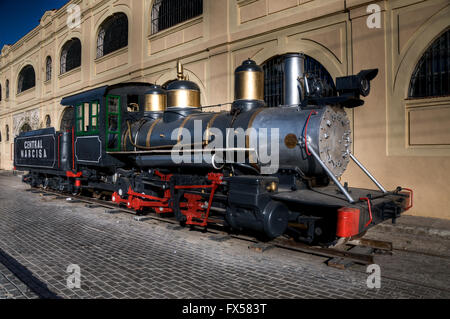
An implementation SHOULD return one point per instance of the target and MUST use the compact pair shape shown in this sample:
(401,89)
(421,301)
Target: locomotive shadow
(27,277)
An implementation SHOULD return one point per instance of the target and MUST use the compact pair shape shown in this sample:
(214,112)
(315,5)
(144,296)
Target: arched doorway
(67,119)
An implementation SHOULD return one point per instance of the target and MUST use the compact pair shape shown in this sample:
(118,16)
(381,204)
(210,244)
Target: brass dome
(155,99)
(249,82)
(183,93)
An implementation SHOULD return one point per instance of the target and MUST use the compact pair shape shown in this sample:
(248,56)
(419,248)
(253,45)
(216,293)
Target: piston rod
(331,175)
(361,166)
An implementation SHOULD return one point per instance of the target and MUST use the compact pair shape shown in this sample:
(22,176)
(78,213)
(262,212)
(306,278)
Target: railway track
(360,251)
(216,233)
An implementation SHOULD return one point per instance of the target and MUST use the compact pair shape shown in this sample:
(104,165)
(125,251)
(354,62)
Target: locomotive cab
(101,117)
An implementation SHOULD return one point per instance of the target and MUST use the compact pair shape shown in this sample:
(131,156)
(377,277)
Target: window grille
(431,78)
(48,69)
(113,34)
(70,55)
(27,79)
(274,78)
(274,81)
(167,13)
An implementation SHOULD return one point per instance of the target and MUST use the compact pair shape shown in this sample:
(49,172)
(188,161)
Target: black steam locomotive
(269,170)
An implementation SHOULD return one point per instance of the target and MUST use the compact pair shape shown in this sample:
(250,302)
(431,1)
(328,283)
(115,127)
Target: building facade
(402,133)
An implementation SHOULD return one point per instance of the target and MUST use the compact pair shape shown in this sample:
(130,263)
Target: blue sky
(18,17)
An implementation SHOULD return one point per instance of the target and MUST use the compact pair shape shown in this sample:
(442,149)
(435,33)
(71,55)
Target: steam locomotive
(266,170)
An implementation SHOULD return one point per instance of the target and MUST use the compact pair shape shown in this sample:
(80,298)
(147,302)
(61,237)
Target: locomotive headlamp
(365,87)
(356,84)
(353,86)
(365,77)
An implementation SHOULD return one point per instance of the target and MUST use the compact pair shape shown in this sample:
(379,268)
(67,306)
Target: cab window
(133,103)
(87,118)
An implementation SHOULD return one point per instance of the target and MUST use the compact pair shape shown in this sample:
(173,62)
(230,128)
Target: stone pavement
(121,258)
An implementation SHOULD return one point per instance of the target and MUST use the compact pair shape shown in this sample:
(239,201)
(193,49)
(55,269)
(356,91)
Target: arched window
(25,128)
(7,133)
(167,13)
(70,55)
(48,121)
(431,78)
(67,119)
(7,89)
(27,79)
(48,69)
(274,78)
(113,34)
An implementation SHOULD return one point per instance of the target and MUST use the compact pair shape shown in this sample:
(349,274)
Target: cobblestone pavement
(122,258)
(13,288)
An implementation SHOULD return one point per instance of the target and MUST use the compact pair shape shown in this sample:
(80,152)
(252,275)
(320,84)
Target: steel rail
(282,243)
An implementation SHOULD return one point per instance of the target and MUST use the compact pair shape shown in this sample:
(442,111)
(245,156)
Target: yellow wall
(402,142)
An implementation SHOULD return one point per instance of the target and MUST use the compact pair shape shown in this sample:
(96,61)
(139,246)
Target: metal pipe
(185,151)
(331,175)
(167,161)
(361,166)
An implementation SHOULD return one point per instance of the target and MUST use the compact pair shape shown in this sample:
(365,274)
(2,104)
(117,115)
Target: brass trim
(291,141)
(155,102)
(125,139)
(180,71)
(272,187)
(149,134)
(249,85)
(247,138)
(180,129)
(183,98)
(208,127)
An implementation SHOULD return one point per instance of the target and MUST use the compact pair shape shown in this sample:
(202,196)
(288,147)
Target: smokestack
(294,67)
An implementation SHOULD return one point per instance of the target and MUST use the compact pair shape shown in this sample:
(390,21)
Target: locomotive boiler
(328,128)
(269,170)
